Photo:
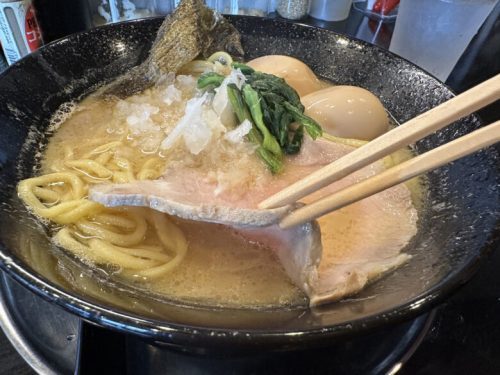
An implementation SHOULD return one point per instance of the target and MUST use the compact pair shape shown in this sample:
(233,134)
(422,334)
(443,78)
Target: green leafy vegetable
(210,80)
(293,146)
(312,127)
(252,100)
(273,162)
(245,69)
(274,109)
(242,112)
(237,103)
(268,83)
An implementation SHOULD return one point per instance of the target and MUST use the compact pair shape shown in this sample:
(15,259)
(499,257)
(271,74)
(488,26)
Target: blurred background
(431,33)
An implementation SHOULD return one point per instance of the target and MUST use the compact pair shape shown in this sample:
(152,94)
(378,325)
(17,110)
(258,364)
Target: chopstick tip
(267,204)
(280,199)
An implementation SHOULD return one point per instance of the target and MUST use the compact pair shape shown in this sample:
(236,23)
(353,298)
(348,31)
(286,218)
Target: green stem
(238,104)
(311,126)
(274,163)
(210,79)
(252,99)
(245,69)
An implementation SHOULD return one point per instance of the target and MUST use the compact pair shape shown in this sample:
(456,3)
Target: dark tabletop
(465,336)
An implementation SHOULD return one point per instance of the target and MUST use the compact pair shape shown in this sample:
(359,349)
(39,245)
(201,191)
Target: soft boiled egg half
(343,111)
(347,111)
(295,72)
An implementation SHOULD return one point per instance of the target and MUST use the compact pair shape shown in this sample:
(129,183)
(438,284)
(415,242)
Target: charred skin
(192,30)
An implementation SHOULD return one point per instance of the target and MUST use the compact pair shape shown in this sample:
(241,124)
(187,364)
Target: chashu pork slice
(191,194)
(298,249)
(363,241)
(188,194)
(357,245)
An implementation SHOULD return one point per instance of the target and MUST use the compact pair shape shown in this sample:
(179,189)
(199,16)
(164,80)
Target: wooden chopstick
(399,137)
(435,158)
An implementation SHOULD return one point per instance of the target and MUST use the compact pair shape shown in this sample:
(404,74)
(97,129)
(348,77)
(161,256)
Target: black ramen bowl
(458,220)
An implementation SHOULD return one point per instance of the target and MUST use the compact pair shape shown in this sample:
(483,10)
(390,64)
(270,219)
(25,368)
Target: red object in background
(385,6)
(19,31)
(32,31)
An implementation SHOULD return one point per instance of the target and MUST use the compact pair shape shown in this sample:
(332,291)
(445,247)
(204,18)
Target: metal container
(292,9)
(330,10)
(260,8)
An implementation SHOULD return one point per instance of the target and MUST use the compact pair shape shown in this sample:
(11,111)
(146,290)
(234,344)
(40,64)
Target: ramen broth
(219,267)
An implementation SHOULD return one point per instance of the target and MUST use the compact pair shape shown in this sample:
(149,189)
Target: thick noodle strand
(98,234)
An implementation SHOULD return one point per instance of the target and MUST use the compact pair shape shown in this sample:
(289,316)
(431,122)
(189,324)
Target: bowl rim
(181,334)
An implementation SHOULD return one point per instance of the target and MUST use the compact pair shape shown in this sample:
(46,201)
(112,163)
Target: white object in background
(19,32)
(433,34)
(259,8)
(330,10)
